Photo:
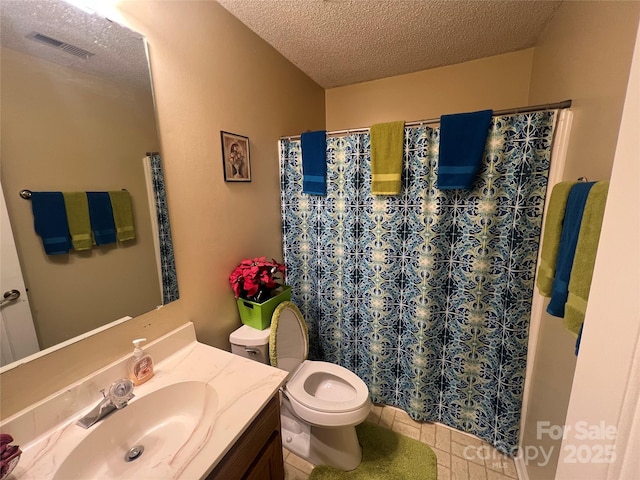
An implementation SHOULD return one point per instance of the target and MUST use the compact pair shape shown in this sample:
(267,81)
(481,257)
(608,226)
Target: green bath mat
(386,455)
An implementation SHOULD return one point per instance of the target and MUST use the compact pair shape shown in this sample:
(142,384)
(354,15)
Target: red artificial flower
(253,276)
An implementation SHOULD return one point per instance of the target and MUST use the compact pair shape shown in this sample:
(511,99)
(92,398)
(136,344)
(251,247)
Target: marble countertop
(243,387)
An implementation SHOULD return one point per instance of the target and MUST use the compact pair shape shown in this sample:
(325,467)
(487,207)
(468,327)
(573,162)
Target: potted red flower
(258,285)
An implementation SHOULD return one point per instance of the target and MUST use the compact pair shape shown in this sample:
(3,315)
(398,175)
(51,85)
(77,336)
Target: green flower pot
(258,315)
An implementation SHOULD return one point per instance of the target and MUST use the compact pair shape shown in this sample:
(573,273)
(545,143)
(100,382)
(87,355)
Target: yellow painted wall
(63,130)
(584,54)
(497,82)
(210,73)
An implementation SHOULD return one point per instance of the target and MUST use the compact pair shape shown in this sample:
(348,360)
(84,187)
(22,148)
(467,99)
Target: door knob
(10,296)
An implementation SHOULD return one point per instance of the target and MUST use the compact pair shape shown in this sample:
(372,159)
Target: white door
(17,333)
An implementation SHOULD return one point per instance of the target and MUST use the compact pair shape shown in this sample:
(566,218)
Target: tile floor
(460,456)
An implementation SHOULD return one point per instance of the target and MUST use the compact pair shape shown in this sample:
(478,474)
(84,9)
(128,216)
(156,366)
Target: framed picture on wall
(235,157)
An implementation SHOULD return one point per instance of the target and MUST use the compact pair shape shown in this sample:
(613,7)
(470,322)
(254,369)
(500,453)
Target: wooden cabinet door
(257,455)
(269,465)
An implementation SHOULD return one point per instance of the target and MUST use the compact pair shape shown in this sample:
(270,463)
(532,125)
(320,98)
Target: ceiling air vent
(67,47)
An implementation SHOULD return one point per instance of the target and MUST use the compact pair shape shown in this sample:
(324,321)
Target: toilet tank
(251,343)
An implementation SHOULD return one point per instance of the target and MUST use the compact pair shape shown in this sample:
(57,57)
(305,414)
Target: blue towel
(567,249)
(314,162)
(462,141)
(101,215)
(50,221)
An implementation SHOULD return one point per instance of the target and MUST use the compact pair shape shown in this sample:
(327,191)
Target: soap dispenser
(141,364)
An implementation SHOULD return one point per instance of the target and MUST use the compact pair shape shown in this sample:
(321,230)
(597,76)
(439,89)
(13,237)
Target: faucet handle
(120,392)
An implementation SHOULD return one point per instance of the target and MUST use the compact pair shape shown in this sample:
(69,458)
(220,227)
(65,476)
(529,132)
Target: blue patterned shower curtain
(167,260)
(425,295)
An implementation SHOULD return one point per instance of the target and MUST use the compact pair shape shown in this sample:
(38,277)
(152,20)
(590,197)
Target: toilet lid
(288,341)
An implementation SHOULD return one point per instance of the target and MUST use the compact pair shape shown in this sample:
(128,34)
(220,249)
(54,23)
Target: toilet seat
(352,392)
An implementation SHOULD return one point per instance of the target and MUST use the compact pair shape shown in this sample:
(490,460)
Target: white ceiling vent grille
(67,47)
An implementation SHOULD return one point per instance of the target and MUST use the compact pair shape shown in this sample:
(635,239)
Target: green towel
(77,207)
(551,237)
(122,215)
(585,258)
(387,147)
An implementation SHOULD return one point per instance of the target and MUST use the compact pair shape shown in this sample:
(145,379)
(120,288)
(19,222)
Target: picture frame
(236,161)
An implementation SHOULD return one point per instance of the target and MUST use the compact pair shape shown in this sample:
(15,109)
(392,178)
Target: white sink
(187,417)
(170,424)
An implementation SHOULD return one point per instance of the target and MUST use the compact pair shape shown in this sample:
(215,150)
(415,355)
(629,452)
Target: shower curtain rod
(508,111)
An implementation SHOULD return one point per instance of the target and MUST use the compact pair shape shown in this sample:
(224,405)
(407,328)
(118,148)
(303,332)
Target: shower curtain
(167,260)
(425,295)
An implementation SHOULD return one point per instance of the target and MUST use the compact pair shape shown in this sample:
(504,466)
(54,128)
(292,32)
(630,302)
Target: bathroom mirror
(78,115)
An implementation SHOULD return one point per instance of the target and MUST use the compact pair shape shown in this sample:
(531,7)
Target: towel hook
(26,194)
(583,179)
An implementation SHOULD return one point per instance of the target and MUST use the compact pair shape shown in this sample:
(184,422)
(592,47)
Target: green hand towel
(77,207)
(387,147)
(585,258)
(122,215)
(551,237)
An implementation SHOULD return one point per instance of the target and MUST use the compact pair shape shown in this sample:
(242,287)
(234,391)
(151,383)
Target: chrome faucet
(120,392)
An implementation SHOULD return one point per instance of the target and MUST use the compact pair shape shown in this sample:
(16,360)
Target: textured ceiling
(118,53)
(341,42)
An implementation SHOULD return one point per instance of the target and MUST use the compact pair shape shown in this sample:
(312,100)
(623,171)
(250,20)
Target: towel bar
(26,194)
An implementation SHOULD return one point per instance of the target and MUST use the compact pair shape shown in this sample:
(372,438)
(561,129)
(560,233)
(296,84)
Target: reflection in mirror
(78,115)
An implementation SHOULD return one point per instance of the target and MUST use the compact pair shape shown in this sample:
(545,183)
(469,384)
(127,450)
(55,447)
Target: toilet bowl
(321,403)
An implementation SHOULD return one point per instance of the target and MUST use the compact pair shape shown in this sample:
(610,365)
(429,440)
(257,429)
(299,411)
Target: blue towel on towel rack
(101,215)
(462,140)
(50,222)
(314,162)
(567,249)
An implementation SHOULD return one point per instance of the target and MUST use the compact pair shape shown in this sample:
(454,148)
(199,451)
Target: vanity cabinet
(257,455)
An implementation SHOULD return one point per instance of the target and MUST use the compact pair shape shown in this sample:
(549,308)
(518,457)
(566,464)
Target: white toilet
(321,402)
